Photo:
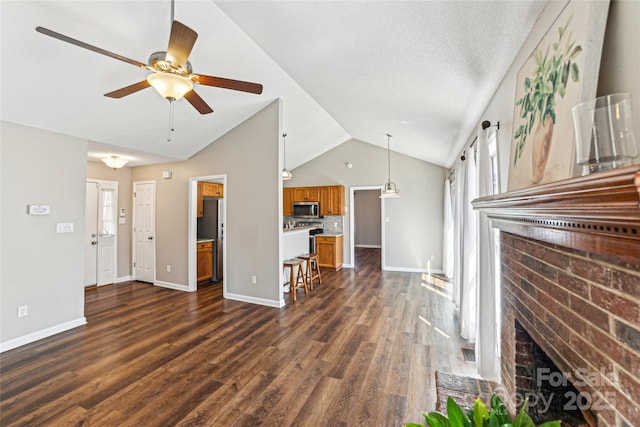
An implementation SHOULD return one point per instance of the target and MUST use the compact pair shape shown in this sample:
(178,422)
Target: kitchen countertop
(330,234)
(204,240)
(304,228)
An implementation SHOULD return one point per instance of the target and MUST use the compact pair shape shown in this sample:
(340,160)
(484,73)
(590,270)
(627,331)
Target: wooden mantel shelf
(597,213)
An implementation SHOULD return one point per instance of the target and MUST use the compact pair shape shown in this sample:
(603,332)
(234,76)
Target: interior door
(107,227)
(144,213)
(91,234)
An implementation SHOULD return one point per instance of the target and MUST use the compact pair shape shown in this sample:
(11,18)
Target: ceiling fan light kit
(170,86)
(286,173)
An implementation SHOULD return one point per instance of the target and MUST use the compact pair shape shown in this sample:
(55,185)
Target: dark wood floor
(361,349)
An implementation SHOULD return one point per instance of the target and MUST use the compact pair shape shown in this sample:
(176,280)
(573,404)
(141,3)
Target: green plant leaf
(576,51)
(523,419)
(551,424)
(413,425)
(457,418)
(480,413)
(436,419)
(575,74)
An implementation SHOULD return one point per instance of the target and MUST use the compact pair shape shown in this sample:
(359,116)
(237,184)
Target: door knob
(150,238)
(94,242)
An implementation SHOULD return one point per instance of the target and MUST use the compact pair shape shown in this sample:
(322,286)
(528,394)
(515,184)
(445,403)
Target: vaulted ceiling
(423,71)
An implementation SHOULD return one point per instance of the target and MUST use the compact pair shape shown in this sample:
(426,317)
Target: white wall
(414,230)
(619,70)
(39,267)
(249,156)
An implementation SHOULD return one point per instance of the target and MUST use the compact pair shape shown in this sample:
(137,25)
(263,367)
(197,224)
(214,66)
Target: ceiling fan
(172,75)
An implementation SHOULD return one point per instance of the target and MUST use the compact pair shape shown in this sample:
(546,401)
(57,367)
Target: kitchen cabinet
(204,256)
(208,189)
(212,189)
(287,201)
(330,251)
(332,200)
(306,194)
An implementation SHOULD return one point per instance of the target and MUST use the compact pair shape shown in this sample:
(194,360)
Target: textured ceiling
(423,71)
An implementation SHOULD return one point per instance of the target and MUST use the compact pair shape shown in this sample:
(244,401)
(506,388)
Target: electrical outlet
(23,310)
(168,268)
(253,280)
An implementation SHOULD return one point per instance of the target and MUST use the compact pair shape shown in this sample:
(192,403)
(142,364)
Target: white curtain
(458,232)
(488,336)
(447,243)
(468,302)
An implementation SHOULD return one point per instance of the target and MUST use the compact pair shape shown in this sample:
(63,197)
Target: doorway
(144,230)
(216,232)
(100,241)
(366,220)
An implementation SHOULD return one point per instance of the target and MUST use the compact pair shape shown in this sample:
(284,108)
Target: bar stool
(296,279)
(309,276)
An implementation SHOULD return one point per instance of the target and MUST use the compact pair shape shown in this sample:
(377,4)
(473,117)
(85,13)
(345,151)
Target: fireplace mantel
(597,213)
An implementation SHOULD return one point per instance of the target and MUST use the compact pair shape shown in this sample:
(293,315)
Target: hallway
(360,349)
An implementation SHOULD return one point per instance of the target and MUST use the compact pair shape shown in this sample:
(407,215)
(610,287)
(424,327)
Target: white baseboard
(174,286)
(412,270)
(44,333)
(368,246)
(254,300)
(123,279)
(347,265)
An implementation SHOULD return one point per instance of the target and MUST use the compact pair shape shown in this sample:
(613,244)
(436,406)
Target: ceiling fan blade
(197,102)
(128,90)
(229,84)
(181,42)
(68,39)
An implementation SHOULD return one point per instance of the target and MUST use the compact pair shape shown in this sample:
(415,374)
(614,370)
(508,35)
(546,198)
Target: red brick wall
(583,310)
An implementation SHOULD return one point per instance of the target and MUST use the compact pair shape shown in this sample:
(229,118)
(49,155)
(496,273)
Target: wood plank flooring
(360,349)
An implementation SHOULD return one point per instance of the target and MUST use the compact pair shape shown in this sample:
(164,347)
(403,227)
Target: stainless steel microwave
(306,210)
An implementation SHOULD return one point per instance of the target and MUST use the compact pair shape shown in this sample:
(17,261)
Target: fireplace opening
(550,393)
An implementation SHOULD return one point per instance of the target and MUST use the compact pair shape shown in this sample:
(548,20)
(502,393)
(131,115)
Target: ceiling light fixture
(115,162)
(390,189)
(170,86)
(286,173)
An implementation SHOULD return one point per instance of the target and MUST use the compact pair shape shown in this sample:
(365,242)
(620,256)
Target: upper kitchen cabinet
(208,189)
(287,201)
(212,189)
(332,200)
(306,194)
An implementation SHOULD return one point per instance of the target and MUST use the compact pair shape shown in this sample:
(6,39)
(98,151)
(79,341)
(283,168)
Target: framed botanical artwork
(561,72)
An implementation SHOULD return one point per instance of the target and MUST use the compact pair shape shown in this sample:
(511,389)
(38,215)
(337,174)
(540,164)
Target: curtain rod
(485,124)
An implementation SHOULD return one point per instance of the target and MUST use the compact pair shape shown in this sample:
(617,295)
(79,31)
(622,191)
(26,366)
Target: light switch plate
(64,227)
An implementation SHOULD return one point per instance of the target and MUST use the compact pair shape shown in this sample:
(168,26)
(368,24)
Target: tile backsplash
(332,224)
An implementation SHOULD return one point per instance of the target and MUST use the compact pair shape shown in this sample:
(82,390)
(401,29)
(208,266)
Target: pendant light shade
(390,189)
(115,162)
(286,173)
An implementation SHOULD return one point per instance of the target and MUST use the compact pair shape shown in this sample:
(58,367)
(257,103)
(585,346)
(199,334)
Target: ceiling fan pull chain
(171,121)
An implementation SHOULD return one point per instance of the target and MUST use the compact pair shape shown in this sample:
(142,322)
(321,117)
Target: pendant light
(286,174)
(390,189)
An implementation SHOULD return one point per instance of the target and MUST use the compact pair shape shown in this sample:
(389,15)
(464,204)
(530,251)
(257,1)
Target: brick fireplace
(570,257)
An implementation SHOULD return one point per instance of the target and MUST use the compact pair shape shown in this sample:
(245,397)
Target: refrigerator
(211,226)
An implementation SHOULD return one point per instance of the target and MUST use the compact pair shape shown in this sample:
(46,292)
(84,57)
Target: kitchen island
(295,242)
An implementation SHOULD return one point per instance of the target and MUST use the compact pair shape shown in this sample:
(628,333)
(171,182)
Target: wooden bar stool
(309,276)
(296,279)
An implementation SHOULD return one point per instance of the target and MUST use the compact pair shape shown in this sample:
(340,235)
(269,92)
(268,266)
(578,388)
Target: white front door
(144,225)
(100,251)
(107,227)
(91,234)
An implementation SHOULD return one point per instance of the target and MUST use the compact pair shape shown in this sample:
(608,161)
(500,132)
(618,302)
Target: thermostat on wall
(39,209)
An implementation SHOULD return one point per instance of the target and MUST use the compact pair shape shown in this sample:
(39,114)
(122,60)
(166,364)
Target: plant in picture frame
(538,103)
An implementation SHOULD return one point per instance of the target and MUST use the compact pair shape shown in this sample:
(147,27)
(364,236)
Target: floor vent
(469,355)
